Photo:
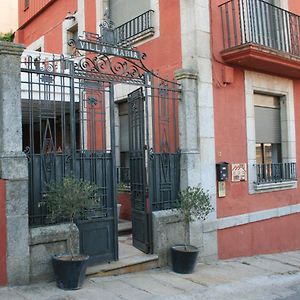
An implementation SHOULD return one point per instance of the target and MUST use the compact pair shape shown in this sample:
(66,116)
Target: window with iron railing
(270,167)
(137,27)
(275,173)
(260,22)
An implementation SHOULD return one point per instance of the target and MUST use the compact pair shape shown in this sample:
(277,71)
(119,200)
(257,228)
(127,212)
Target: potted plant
(193,204)
(66,200)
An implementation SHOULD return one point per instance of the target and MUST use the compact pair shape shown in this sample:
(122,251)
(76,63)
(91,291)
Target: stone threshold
(125,265)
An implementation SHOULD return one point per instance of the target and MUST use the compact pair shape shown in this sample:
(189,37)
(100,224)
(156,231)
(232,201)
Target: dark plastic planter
(184,258)
(69,273)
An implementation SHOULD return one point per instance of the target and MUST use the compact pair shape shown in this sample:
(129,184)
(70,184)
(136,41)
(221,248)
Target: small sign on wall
(221,189)
(238,172)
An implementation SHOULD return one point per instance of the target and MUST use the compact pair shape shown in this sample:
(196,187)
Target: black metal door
(138,181)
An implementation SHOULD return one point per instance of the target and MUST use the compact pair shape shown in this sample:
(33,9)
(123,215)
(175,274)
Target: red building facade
(239,65)
(257,66)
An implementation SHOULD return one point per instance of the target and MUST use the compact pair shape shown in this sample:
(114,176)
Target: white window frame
(283,88)
(37,44)
(67,26)
(79,19)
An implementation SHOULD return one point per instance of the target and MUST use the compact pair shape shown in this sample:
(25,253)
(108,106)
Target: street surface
(268,277)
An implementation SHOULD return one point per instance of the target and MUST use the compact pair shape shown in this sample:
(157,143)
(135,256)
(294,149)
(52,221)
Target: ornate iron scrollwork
(27,152)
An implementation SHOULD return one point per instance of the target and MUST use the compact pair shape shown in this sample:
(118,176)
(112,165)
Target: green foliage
(70,197)
(194,204)
(122,187)
(7,37)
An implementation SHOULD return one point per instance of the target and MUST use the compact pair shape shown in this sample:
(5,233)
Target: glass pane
(259,156)
(268,154)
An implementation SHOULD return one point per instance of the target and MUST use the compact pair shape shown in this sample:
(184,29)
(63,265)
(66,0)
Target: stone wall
(28,250)
(13,165)
(168,230)
(47,241)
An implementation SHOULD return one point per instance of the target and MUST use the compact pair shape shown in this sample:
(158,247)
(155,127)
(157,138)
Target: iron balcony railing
(273,173)
(261,23)
(135,28)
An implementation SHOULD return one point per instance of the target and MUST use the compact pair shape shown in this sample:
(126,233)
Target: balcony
(275,173)
(135,30)
(260,36)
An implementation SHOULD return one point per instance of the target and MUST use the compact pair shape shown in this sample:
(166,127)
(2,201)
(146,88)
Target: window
(268,139)
(123,11)
(26,4)
(271,139)
(267,129)
(133,20)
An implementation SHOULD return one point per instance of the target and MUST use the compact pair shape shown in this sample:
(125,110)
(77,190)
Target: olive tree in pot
(67,200)
(193,204)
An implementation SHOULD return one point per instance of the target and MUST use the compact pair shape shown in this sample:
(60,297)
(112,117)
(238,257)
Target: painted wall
(271,236)
(44,18)
(34,7)
(3,277)
(8,15)
(231,146)
(294,6)
(164,53)
(231,138)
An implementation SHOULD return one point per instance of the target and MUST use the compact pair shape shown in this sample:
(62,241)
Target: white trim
(269,187)
(284,4)
(66,26)
(80,16)
(249,218)
(39,43)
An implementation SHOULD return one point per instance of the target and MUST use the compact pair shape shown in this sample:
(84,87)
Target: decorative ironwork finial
(107,14)
(107,29)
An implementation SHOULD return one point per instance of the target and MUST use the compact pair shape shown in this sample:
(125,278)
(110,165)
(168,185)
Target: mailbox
(222,171)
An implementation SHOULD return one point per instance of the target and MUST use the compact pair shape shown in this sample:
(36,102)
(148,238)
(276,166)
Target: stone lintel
(11,48)
(182,74)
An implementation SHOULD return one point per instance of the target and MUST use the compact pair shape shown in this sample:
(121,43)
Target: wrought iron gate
(65,132)
(138,181)
(154,154)
(69,128)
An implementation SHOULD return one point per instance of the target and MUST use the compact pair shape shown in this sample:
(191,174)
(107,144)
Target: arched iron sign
(69,126)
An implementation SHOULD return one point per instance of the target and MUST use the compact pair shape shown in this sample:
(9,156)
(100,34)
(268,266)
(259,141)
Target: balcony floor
(263,59)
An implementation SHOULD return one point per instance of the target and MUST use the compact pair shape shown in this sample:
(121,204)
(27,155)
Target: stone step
(124,227)
(124,266)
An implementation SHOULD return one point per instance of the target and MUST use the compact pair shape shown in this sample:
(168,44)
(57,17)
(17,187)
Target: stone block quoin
(3,275)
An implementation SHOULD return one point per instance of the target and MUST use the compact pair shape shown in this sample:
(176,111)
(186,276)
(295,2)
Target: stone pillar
(188,128)
(196,115)
(13,164)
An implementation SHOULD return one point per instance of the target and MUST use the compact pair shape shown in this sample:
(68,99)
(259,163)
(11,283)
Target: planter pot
(69,272)
(184,258)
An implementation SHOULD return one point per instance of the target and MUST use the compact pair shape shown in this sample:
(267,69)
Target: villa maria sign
(107,49)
